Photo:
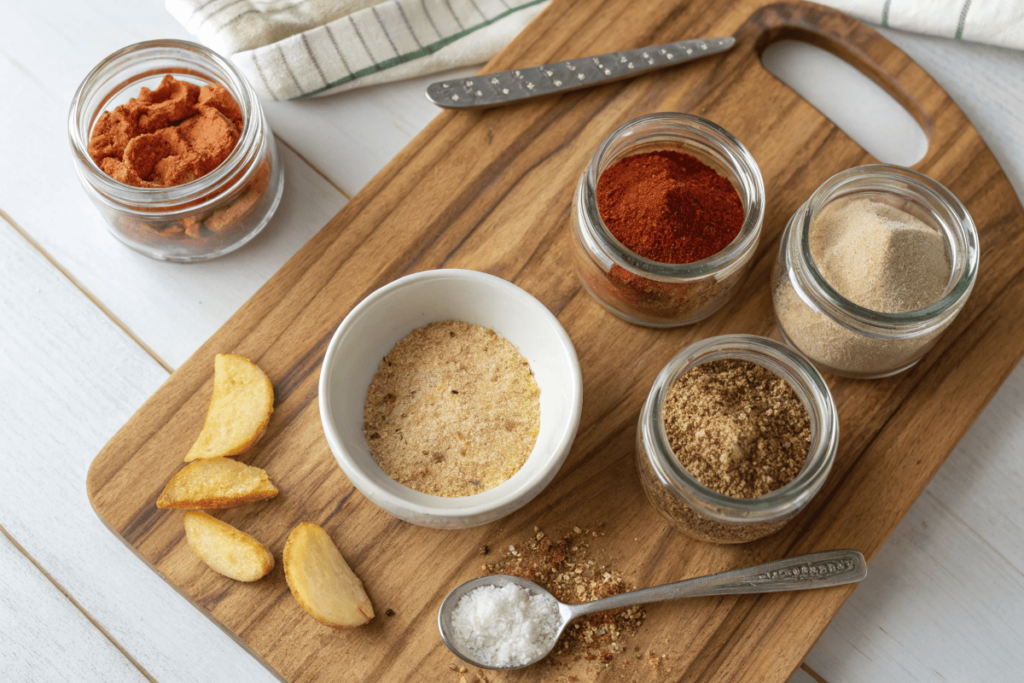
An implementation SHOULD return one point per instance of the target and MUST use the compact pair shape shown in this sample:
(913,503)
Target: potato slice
(321,580)
(243,399)
(215,483)
(225,549)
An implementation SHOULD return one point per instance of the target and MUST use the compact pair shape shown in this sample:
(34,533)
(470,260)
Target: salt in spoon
(817,570)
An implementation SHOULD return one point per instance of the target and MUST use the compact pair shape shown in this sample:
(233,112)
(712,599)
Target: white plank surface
(78,379)
(357,133)
(801,676)
(916,618)
(44,637)
(938,604)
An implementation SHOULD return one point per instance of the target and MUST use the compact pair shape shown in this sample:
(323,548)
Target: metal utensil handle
(509,86)
(817,570)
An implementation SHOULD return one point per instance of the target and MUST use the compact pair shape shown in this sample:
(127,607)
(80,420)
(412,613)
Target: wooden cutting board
(491,191)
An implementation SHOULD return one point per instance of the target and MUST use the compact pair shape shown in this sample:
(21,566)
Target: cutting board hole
(851,100)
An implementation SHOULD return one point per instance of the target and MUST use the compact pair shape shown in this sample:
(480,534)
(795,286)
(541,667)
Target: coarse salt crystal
(505,626)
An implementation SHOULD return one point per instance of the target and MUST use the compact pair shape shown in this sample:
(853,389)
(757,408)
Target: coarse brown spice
(737,428)
(568,569)
(691,522)
(452,411)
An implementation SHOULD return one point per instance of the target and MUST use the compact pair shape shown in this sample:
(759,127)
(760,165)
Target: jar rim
(732,153)
(172,198)
(965,249)
(802,377)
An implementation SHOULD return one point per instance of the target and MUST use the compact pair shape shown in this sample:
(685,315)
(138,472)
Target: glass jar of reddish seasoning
(197,220)
(649,292)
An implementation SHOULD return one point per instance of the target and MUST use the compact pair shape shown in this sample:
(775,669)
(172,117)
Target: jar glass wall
(696,509)
(202,219)
(648,292)
(846,339)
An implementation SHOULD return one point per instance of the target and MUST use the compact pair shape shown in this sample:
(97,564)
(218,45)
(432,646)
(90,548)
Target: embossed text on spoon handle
(817,570)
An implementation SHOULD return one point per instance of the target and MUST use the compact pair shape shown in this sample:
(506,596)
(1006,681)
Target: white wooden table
(89,329)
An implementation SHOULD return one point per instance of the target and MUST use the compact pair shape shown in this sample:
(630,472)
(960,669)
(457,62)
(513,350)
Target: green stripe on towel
(425,51)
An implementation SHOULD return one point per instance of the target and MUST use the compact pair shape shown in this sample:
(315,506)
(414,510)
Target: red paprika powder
(669,207)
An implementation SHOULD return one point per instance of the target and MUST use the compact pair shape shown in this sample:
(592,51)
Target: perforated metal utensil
(505,87)
(817,570)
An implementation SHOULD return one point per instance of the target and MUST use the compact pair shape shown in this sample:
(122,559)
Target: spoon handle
(817,570)
(491,90)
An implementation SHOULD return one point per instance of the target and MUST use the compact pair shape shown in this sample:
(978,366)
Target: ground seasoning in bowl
(666,219)
(388,315)
(737,435)
(452,411)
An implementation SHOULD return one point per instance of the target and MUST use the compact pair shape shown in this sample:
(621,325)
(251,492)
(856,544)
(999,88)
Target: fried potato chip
(214,483)
(225,549)
(321,580)
(242,402)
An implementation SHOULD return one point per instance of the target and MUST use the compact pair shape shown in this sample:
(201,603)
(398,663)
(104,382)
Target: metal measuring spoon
(505,87)
(817,570)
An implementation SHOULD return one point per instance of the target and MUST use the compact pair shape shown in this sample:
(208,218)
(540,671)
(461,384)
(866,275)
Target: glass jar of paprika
(200,219)
(657,293)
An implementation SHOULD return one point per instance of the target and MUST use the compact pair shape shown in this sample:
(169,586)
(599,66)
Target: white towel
(293,49)
(994,22)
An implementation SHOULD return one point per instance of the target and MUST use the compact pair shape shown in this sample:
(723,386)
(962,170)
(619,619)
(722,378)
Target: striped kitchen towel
(292,49)
(994,22)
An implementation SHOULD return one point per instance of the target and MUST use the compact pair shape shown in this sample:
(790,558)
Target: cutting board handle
(862,48)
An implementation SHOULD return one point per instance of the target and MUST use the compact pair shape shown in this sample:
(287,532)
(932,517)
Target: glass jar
(837,334)
(696,509)
(647,292)
(202,219)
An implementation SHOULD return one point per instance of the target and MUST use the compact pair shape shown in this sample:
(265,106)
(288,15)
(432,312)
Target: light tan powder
(452,411)
(878,256)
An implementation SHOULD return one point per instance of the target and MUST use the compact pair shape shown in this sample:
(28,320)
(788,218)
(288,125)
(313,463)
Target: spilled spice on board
(567,567)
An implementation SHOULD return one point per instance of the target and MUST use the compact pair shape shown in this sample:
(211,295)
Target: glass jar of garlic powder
(910,258)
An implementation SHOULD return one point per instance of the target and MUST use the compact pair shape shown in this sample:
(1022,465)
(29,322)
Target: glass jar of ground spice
(871,270)
(205,202)
(754,421)
(666,219)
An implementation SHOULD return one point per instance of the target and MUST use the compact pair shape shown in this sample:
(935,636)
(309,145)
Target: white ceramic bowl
(386,316)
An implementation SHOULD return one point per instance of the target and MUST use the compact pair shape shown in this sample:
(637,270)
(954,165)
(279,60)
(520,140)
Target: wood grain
(491,191)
